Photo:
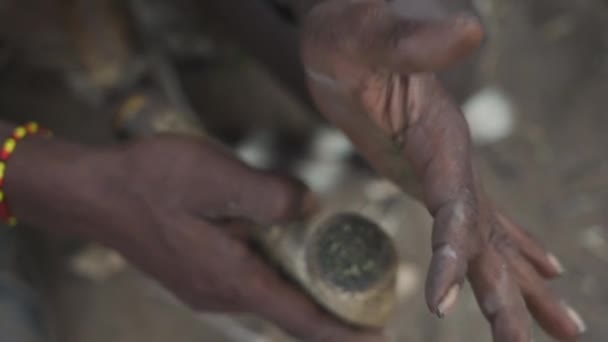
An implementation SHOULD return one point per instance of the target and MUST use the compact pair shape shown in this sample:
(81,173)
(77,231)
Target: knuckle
(339,26)
(500,239)
(284,198)
(454,221)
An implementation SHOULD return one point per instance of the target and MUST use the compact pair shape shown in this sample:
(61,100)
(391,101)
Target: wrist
(61,187)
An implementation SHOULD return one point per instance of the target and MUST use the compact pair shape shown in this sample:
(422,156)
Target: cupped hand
(370,71)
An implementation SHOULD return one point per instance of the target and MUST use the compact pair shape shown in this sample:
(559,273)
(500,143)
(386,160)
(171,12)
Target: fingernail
(576,318)
(448,300)
(555,263)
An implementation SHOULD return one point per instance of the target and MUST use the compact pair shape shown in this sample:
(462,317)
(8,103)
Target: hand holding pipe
(343,259)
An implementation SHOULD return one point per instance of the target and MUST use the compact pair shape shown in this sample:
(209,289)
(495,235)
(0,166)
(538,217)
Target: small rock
(321,176)
(490,116)
(97,263)
(408,280)
(331,144)
(256,149)
(594,240)
(379,190)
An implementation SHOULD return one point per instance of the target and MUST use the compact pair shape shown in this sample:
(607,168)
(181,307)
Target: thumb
(223,187)
(278,300)
(406,45)
(272,198)
(376,34)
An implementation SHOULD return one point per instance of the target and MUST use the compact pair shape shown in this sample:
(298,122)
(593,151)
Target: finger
(373,32)
(545,263)
(274,198)
(237,279)
(241,230)
(230,189)
(499,298)
(554,317)
(451,254)
(408,45)
(281,302)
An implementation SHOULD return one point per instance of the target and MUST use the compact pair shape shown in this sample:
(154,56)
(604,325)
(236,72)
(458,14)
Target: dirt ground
(551,173)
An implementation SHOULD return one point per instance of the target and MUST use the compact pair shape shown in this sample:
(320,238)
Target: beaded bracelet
(8,147)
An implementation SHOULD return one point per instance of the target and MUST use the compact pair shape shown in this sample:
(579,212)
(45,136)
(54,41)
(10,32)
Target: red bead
(3,211)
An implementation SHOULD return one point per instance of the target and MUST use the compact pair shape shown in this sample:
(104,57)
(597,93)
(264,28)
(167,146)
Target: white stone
(330,144)
(256,150)
(321,176)
(408,280)
(490,116)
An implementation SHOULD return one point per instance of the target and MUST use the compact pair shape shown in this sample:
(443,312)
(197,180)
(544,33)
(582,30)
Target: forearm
(58,186)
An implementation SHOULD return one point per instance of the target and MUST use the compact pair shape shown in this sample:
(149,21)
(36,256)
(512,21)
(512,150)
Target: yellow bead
(2,168)
(132,105)
(12,221)
(20,132)
(1,196)
(32,127)
(9,145)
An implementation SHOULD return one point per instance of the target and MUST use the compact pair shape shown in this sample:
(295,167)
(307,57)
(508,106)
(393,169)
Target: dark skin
(160,203)
(166,203)
(370,71)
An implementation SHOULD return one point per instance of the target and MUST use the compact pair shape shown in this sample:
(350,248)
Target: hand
(370,72)
(170,204)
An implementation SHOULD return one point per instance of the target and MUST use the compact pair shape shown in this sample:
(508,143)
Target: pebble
(489,113)
(594,240)
(97,263)
(408,280)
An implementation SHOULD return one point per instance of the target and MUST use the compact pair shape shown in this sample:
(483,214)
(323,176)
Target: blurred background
(535,96)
